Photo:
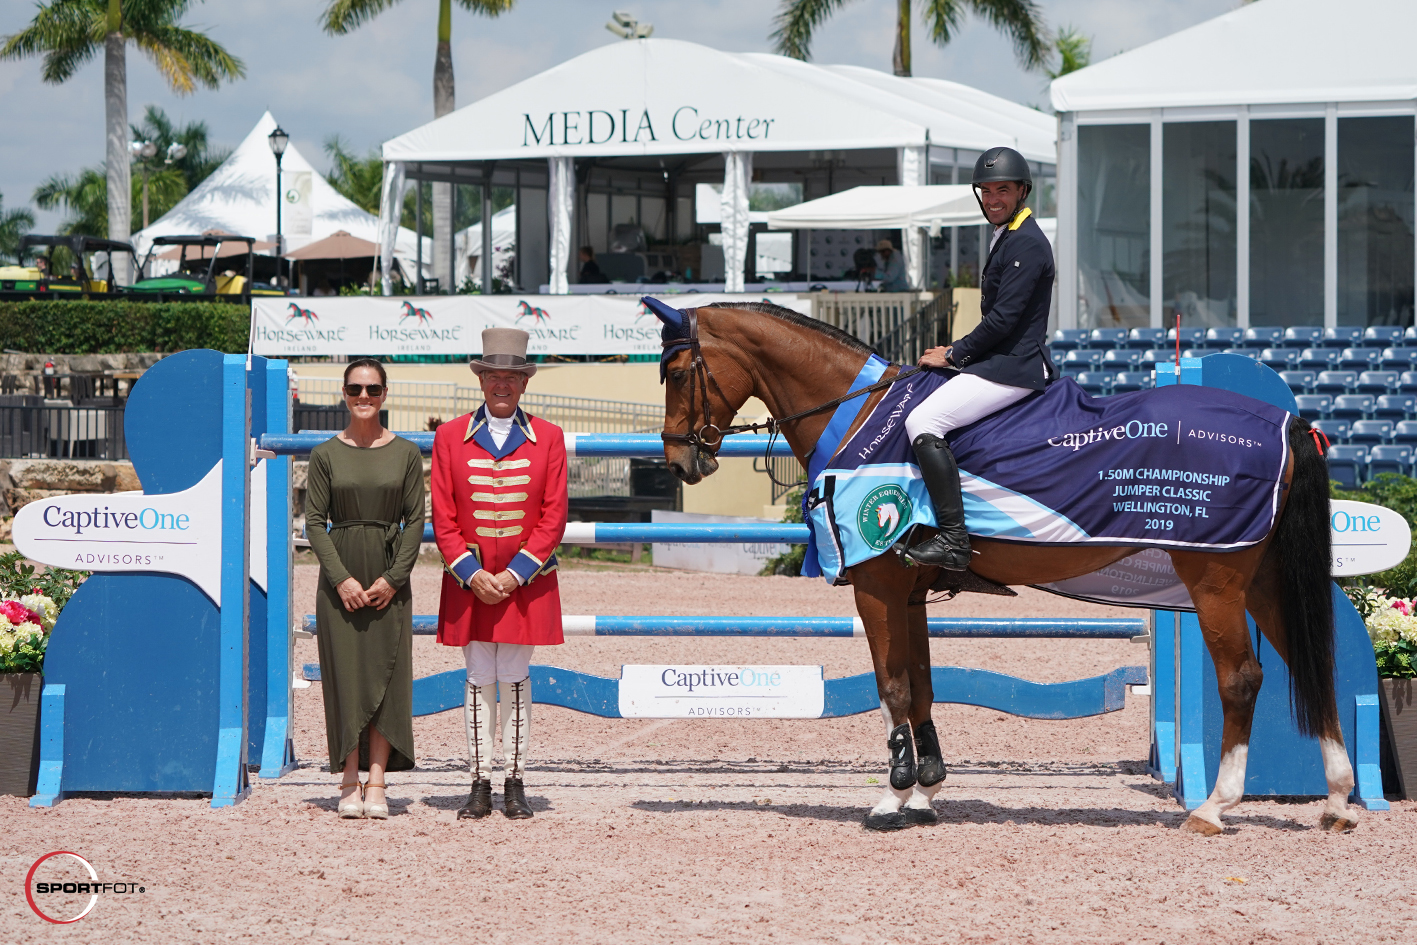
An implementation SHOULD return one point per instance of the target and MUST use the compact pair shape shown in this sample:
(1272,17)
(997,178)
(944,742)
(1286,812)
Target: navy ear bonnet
(676,329)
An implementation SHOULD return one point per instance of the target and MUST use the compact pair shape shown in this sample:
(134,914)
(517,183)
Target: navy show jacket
(1009,346)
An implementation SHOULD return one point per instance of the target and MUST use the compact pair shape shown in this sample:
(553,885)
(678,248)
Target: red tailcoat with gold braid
(507,507)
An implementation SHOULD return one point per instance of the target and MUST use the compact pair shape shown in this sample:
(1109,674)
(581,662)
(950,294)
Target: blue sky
(377,82)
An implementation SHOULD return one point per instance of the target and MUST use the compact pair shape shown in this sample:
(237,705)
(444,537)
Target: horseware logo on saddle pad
(882,513)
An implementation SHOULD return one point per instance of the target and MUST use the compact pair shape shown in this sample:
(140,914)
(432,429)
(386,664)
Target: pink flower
(1403,607)
(18,613)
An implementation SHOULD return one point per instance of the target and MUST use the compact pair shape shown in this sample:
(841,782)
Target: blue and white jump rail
(171,669)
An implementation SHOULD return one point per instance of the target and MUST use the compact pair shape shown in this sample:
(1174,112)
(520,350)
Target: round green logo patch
(883,514)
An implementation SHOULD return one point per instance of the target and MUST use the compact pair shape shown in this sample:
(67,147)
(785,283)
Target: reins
(703,377)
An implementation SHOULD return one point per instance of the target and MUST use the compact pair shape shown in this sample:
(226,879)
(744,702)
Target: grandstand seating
(1370,432)
(1352,406)
(1395,407)
(1346,464)
(1335,382)
(1126,381)
(1313,406)
(1391,458)
(1335,430)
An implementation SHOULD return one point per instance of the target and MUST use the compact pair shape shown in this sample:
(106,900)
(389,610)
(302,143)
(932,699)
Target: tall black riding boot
(949,546)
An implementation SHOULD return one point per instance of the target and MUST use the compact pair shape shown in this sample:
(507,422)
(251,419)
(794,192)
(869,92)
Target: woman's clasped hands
(354,595)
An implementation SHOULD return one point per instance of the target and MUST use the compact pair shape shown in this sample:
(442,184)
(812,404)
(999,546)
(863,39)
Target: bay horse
(718,356)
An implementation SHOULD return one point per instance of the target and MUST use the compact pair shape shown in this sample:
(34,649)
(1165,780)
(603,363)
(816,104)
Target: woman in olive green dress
(363,483)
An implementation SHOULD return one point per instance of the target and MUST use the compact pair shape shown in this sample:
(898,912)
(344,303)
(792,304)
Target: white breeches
(496,662)
(960,401)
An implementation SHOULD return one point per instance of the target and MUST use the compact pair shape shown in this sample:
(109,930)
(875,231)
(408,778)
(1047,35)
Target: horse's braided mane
(797,318)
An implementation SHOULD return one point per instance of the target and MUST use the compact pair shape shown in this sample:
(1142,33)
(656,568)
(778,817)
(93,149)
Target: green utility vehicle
(203,267)
(59,266)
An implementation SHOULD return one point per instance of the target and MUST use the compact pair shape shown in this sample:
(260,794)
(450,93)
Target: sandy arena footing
(666,831)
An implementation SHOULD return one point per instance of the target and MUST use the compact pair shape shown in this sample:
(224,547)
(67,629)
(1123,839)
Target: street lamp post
(144,151)
(279,139)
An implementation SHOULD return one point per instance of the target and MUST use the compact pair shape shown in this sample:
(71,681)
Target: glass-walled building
(1249,171)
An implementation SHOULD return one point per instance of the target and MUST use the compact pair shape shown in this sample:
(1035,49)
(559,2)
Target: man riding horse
(1003,360)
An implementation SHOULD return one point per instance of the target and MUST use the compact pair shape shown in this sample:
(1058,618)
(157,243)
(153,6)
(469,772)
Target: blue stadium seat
(1376,382)
(1262,338)
(1407,382)
(1405,432)
(1346,337)
(1303,336)
(1370,432)
(1143,338)
(1351,406)
(1335,382)
(1345,464)
(1126,381)
(1250,353)
(1359,359)
(1149,359)
(1281,359)
(1396,359)
(1102,339)
(1317,359)
(1395,407)
(1195,352)
(1335,430)
(1190,337)
(1409,338)
(1120,359)
(1076,362)
(1300,382)
(1314,406)
(1391,458)
(1066,339)
(1096,383)
(1381,336)
(1219,339)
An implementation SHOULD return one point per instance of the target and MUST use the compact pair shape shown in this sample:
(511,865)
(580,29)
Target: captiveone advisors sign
(453,324)
(722,692)
(175,533)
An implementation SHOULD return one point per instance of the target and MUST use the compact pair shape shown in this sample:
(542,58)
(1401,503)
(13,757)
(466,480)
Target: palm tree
(13,225)
(68,33)
(1020,19)
(1074,52)
(361,179)
(343,16)
(199,161)
(84,196)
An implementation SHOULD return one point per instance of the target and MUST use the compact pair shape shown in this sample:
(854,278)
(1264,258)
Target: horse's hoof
(883,822)
(1336,824)
(920,816)
(1201,826)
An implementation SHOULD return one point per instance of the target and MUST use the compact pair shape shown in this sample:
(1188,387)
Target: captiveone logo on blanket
(882,514)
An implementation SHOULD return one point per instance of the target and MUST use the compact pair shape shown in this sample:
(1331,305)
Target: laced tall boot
(479,718)
(516,734)
(948,548)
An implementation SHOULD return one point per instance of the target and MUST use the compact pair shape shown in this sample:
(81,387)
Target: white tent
(1275,52)
(883,208)
(1297,112)
(661,97)
(239,198)
(504,245)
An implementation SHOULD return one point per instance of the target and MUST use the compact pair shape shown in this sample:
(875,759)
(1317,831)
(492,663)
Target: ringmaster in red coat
(499,511)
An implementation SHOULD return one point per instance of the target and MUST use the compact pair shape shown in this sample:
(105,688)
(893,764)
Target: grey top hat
(503,349)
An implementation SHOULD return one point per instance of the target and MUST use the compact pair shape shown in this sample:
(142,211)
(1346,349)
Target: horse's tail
(1303,543)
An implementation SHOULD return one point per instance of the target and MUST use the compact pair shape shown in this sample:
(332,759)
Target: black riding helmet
(999,164)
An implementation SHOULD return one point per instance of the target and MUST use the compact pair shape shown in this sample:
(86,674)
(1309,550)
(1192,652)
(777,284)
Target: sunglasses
(356,390)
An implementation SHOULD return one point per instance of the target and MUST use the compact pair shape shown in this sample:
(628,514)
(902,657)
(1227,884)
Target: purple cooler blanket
(1175,467)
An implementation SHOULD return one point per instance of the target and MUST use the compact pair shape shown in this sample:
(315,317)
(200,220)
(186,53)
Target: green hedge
(78,327)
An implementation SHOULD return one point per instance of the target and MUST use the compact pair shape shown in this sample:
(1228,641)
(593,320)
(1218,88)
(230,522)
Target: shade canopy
(883,208)
(338,245)
(1275,52)
(663,96)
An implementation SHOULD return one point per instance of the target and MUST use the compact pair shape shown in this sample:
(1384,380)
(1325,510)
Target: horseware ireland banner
(1175,467)
(453,324)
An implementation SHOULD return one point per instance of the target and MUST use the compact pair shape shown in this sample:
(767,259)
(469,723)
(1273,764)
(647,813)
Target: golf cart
(63,265)
(200,267)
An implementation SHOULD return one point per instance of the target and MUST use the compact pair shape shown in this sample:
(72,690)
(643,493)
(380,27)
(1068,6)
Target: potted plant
(29,606)
(1392,626)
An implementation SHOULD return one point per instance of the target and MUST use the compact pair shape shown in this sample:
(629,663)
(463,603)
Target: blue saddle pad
(1174,467)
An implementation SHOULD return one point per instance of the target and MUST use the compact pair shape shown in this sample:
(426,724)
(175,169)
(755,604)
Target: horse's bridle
(710,436)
